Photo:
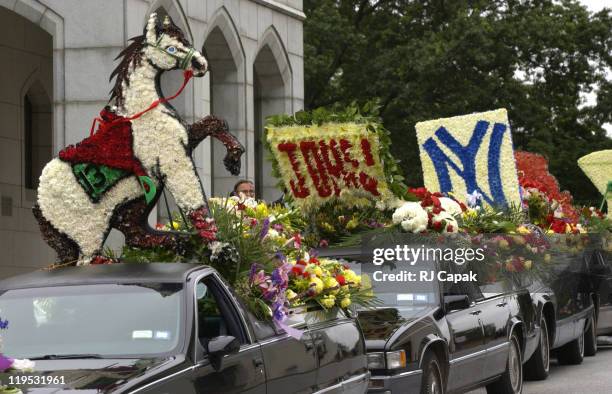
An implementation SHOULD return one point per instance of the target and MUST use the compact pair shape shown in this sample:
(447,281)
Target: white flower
(411,216)
(272,234)
(23,364)
(389,203)
(451,206)
(448,219)
(250,202)
(474,199)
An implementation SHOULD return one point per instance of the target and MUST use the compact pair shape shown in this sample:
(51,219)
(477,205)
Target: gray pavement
(593,376)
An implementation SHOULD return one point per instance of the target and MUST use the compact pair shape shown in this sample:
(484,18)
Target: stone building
(56,57)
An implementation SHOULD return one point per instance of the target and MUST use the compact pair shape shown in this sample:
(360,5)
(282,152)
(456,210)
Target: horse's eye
(171,50)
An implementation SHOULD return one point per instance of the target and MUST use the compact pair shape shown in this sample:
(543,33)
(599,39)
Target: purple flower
(253,272)
(278,227)
(3,324)
(280,277)
(278,310)
(265,228)
(281,257)
(5,362)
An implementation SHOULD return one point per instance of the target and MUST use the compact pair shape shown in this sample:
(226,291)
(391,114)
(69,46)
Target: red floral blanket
(110,146)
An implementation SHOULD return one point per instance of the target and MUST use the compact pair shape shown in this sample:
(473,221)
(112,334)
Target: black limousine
(436,336)
(567,302)
(168,328)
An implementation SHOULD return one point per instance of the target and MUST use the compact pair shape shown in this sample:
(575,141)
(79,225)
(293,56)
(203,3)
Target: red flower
(314,260)
(558,226)
(341,280)
(437,226)
(449,228)
(420,192)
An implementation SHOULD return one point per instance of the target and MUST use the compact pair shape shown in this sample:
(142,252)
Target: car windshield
(100,320)
(394,290)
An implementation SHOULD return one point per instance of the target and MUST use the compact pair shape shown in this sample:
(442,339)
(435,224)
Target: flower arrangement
(306,281)
(340,157)
(482,146)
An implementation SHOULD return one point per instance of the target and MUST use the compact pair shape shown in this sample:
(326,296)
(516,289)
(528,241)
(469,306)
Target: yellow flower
(328,301)
(314,269)
(547,258)
(352,224)
(328,227)
(345,303)
(175,225)
(528,264)
(261,211)
(503,244)
(290,294)
(523,230)
(315,285)
(331,283)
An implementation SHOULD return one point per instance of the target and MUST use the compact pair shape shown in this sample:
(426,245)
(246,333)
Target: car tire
(432,382)
(511,381)
(590,338)
(538,366)
(573,352)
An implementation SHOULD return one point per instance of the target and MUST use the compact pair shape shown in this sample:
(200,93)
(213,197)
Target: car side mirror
(456,302)
(221,346)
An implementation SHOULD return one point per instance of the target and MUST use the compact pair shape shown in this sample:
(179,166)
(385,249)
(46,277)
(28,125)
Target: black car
(600,272)
(167,328)
(567,306)
(432,335)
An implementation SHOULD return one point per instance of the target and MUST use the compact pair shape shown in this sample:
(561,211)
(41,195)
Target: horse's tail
(67,249)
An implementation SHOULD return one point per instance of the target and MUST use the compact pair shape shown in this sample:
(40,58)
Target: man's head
(244,189)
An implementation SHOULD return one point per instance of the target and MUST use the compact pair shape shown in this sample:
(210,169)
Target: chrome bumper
(404,383)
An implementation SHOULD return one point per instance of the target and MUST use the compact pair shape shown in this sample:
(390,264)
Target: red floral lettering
(368,183)
(318,175)
(299,191)
(366,148)
(345,146)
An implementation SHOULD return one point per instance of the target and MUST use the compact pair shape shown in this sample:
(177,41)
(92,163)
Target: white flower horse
(113,178)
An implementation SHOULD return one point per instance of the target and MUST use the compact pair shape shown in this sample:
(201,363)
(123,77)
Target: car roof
(104,273)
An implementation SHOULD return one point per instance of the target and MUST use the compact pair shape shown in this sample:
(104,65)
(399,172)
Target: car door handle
(502,304)
(258,362)
(475,313)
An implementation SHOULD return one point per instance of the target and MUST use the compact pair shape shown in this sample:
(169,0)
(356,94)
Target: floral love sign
(470,153)
(333,161)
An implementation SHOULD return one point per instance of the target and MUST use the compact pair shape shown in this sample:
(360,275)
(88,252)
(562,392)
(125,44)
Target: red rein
(187,74)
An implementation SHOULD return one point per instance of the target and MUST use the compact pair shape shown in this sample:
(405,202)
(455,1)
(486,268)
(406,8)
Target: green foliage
(488,220)
(430,59)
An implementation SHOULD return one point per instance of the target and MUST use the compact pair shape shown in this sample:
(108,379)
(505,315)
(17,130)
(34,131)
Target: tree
(430,59)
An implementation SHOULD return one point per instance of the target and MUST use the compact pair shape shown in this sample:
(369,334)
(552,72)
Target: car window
(104,319)
(215,316)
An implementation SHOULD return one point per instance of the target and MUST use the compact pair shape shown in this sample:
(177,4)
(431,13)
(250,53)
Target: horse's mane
(132,54)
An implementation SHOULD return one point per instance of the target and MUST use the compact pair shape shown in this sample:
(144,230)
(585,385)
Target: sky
(594,6)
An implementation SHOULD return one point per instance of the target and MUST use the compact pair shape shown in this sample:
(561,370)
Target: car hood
(91,375)
(379,324)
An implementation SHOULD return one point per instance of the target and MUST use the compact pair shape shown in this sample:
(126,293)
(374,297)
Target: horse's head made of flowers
(164,46)
(168,49)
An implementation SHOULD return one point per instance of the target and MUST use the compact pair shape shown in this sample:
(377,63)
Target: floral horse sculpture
(113,178)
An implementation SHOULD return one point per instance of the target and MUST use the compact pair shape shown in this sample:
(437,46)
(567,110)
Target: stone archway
(272,77)
(226,59)
(31,108)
